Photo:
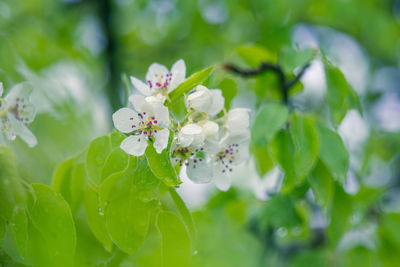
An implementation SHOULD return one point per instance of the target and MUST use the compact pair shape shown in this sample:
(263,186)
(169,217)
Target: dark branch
(264,67)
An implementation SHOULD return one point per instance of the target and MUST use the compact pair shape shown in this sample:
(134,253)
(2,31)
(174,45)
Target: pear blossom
(16,112)
(160,81)
(202,99)
(237,124)
(191,135)
(148,122)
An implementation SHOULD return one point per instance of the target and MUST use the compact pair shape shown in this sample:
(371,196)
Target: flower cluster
(16,112)
(207,145)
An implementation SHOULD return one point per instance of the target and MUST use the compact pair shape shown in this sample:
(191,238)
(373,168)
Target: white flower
(148,122)
(16,112)
(196,164)
(237,125)
(202,99)
(224,162)
(191,135)
(160,81)
(210,129)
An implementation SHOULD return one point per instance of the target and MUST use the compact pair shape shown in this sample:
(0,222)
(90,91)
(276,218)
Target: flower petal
(125,119)
(18,93)
(185,140)
(22,131)
(134,145)
(1,89)
(221,179)
(199,171)
(191,135)
(217,102)
(200,99)
(162,114)
(210,128)
(178,71)
(155,72)
(140,103)
(161,140)
(141,86)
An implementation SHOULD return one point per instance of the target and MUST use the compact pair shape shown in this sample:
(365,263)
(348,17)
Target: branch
(264,67)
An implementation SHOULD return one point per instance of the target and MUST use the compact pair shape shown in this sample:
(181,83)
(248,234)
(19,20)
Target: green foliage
(254,55)
(161,165)
(176,244)
(340,96)
(333,152)
(191,82)
(267,122)
(229,90)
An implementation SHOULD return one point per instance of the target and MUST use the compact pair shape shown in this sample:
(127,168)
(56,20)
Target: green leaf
(340,212)
(11,191)
(333,152)
(268,121)
(282,151)
(161,164)
(229,91)
(340,95)
(2,229)
(95,215)
(52,227)
(69,181)
(19,228)
(322,183)
(176,249)
(117,161)
(184,213)
(116,139)
(280,211)
(62,179)
(96,157)
(254,55)
(293,58)
(263,159)
(127,217)
(191,82)
(306,143)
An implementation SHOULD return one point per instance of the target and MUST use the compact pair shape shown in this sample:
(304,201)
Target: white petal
(141,86)
(1,89)
(191,135)
(191,129)
(221,179)
(20,92)
(161,140)
(22,131)
(161,114)
(140,104)
(200,99)
(199,172)
(217,102)
(210,128)
(134,145)
(155,72)
(159,98)
(124,119)
(185,140)
(178,74)
(238,118)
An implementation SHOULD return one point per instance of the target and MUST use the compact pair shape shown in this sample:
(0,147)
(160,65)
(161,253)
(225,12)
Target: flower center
(227,157)
(147,126)
(161,83)
(182,155)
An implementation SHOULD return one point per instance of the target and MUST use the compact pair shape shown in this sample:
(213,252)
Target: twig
(266,66)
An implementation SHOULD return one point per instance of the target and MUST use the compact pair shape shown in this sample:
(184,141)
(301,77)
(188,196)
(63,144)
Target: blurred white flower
(237,125)
(191,135)
(207,101)
(16,112)
(148,123)
(160,81)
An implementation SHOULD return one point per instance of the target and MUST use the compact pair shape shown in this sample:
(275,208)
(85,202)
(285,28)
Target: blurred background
(75,51)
